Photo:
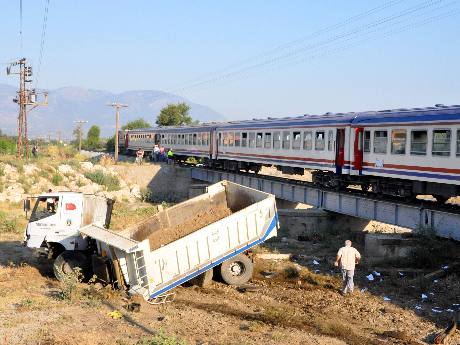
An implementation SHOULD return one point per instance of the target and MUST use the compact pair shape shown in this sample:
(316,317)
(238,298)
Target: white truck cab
(57,217)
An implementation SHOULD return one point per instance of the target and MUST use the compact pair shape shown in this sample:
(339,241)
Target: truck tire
(67,261)
(204,279)
(237,270)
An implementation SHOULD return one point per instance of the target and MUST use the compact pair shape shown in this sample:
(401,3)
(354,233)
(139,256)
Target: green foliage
(7,145)
(70,285)
(109,181)
(174,115)
(56,179)
(7,224)
(137,124)
(93,138)
(161,338)
(110,144)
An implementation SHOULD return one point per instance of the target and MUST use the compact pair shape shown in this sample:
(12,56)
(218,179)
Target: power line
(330,41)
(338,49)
(42,41)
(317,33)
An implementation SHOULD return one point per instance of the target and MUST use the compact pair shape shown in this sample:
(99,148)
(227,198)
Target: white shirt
(348,256)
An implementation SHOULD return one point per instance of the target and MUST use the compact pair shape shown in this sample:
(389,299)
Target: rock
(135,191)
(30,169)
(89,188)
(65,169)
(86,165)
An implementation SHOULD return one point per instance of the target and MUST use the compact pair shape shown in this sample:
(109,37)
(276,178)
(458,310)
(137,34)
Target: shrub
(7,145)
(109,181)
(7,225)
(56,179)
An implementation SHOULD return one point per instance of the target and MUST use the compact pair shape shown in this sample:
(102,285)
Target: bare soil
(293,306)
(202,219)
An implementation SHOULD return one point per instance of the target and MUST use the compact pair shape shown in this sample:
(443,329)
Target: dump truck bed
(152,271)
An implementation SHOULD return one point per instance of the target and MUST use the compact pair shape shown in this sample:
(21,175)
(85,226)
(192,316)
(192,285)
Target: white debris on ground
(34,179)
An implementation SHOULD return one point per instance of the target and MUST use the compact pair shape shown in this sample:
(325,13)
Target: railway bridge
(443,221)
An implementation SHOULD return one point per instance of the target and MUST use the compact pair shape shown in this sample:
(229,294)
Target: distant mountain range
(68,104)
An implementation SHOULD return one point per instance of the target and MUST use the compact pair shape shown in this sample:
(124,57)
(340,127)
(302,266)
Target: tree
(92,138)
(138,123)
(110,144)
(174,115)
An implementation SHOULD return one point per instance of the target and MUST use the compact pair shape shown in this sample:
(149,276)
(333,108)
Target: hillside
(71,103)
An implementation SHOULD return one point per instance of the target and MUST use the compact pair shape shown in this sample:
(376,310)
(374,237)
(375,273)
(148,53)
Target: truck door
(358,148)
(340,150)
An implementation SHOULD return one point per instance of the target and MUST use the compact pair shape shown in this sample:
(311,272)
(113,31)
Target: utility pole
(25,98)
(79,124)
(117,107)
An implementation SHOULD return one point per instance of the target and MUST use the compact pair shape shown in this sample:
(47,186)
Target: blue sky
(135,45)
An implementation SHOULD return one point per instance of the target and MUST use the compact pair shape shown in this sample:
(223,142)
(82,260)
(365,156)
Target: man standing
(348,258)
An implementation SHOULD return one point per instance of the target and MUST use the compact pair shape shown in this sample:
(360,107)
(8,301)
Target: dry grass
(127,214)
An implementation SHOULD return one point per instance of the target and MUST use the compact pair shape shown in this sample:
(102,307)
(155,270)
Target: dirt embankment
(202,219)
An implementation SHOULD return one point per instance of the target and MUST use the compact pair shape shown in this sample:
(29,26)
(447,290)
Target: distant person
(348,257)
(162,154)
(156,153)
(170,155)
(35,151)
(139,156)
(51,203)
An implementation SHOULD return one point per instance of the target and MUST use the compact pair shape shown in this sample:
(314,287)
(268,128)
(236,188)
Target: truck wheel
(237,270)
(67,261)
(204,279)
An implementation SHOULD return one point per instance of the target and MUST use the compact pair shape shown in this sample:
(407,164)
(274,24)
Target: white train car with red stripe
(403,152)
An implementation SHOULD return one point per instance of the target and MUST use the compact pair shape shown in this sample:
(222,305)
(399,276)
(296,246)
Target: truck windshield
(44,207)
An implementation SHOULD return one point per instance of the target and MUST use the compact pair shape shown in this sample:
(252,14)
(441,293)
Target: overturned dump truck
(211,232)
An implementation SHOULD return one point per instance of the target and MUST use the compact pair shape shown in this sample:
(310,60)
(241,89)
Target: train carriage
(291,144)
(409,151)
(145,139)
(188,141)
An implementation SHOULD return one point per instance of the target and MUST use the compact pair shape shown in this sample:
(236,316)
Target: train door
(339,150)
(126,142)
(358,149)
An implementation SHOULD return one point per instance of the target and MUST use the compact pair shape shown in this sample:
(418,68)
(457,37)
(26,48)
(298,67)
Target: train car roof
(438,113)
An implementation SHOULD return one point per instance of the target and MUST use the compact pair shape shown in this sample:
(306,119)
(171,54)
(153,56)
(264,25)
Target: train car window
(380,141)
(307,140)
(259,138)
(319,140)
(276,140)
(186,139)
(220,139)
(198,139)
(286,140)
(441,142)
(244,139)
(237,139)
(231,137)
(458,142)
(418,143)
(268,141)
(194,139)
(398,141)
(225,140)
(330,140)
(367,141)
(296,140)
(252,139)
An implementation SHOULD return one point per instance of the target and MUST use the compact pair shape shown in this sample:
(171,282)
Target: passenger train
(403,152)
